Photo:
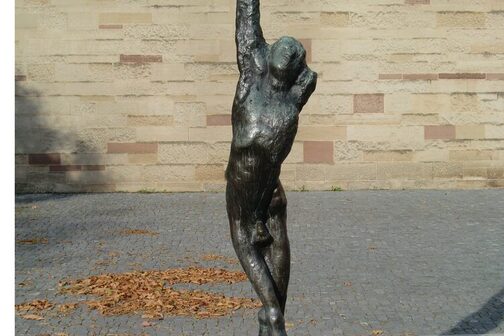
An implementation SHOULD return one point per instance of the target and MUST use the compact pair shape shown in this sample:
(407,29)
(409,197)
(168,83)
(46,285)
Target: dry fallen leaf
(32,241)
(32,317)
(24,283)
(377,332)
(67,308)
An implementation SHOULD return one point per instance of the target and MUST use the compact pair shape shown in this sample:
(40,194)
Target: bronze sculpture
(275,83)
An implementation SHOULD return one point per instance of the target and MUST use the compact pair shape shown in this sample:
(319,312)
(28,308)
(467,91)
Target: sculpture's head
(287,60)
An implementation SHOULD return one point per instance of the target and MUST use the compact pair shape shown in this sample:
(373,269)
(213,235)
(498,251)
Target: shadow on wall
(486,319)
(50,156)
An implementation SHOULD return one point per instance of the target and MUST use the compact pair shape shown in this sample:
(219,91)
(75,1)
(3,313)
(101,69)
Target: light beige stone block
(325,50)
(351,172)
(336,104)
(398,103)
(183,153)
(296,154)
(150,120)
(321,133)
(219,152)
(334,19)
(494,131)
(470,131)
(447,170)
(161,133)
(464,102)
(85,20)
(461,19)
(168,173)
(431,155)
(404,170)
(26,20)
(376,156)
(347,151)
(168,72)
(430,103)
(475,173)
(288,173)
(143,158)
(210,173)
(311,172)
(210,134)
(125,17)
(190,114)
(470,155)
(41,72)
(404,137)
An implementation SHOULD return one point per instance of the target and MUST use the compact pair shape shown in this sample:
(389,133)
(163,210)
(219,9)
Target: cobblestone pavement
(401,262)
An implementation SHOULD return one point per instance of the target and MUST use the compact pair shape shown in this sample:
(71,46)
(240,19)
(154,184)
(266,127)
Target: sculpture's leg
(277,255)
(254,265)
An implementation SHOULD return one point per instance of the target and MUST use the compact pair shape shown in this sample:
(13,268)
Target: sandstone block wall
(136,95)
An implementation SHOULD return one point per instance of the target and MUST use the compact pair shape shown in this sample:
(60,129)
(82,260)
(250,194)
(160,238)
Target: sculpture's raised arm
(249,35)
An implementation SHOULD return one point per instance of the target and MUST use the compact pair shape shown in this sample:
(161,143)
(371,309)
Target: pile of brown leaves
(152,294)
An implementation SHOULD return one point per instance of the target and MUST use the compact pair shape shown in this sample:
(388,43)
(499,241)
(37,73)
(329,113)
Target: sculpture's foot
(275,322)
(263,323)
(261,235)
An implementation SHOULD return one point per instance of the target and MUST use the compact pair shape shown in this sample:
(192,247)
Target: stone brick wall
(136,95)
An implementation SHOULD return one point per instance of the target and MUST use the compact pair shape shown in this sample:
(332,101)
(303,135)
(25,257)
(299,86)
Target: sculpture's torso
(264,127)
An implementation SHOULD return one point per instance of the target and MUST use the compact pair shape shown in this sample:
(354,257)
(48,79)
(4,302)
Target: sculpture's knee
(239,235)
(274,318)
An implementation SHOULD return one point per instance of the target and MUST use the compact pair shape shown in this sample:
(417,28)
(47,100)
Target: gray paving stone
(409,262)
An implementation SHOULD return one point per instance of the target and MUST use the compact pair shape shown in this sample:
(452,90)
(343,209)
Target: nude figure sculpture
(275,83)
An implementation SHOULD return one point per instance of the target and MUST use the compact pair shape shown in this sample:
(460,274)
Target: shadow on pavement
(486,319)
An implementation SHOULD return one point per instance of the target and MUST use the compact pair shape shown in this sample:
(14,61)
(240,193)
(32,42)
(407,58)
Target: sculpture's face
(287,59)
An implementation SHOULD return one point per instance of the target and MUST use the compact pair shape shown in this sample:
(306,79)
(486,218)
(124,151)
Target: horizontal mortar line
(205,63)
(108,39)
(67,82)
(178,81)
(168,6)
(160,39)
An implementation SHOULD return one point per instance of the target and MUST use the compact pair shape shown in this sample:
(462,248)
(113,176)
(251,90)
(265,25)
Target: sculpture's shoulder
(259,57)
